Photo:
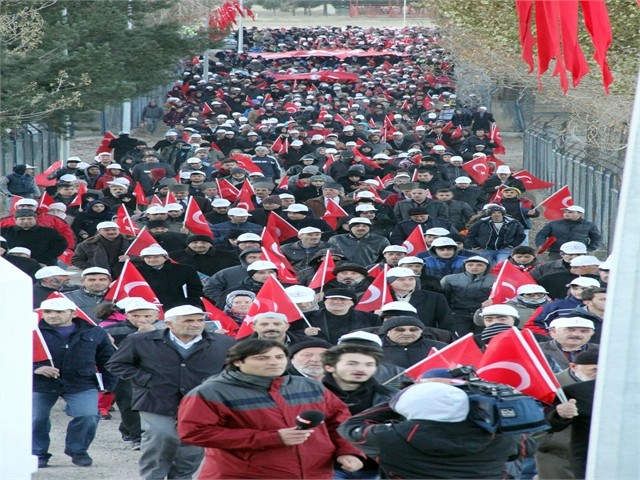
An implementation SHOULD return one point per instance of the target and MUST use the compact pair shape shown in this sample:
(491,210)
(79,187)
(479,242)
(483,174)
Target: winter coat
(160,377)
(432,308)
(46,244)
(459,213)
(489,186)
(316,205)
(363,251)
(169,281)
(49,221)
(483,234)
(407,355)
(221,281)
(539,322)
(569,231)
(91,253)
(428,449)
(557,357)
(299,256)
(87,353)
(441,267)
(208,263)
(236,417)
(435,209)
(465,294)
(518,208)
(85,301)
(332,327)
(22,185)
(473,196)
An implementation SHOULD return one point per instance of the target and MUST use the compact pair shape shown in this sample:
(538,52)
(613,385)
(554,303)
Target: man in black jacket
(79,353)
(203,256)
(163,366)
(403,343)
(46,244)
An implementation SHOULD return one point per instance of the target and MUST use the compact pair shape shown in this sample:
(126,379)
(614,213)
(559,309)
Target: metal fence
(592,186)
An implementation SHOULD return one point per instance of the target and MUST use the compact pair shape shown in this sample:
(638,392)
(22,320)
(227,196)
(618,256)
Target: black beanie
(588,357)
(199,238)
(401,321)
(319,343)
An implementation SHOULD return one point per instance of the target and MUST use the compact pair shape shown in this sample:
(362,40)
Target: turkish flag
(77,201)
(41,178)
(514,358)
(244,197)
(104,143)
(170,198)
(457,133)
(328,162)
(194,220)
(415,242)
(447,128)
(377,295)
(271,298)
(530,181)
(45,201)
(245,162)
(463,351)
(142,240)
(364,159)
(478,169)
(548,242)
(332,213)
(284,274)
(495,137)
(66,257)
(227,190)
(141,198)
(283,230)
(506,284)
(155,200)
(272,244)
(206,109)
(131,283)
(280,146)
(216,315)
(41,351)
(284,183)
(342,120)
(324,273)
(555,203)
(124,222)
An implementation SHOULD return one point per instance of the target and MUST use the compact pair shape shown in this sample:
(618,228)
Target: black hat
(341,292)
(588,357)
(351,267)
(157,223)
(247,251)
(354,173)
(199,238)
(24,212)
(418,211)
(179,188)
(319,343)
(400,321)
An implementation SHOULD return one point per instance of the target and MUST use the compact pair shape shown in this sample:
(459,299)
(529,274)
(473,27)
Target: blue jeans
(496,256)
(339,474)
(82,406)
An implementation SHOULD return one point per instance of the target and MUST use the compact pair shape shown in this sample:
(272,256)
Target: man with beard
(570,337)
(106,249)
(50,280)
(275,326)
(352,277)
(306,358)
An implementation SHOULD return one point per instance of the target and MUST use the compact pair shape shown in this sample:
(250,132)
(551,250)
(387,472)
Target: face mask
(532,301)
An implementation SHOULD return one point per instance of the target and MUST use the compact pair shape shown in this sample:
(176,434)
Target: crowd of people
(355,153)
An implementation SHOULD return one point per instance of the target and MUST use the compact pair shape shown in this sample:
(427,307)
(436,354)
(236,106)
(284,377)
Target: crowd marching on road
(257,292)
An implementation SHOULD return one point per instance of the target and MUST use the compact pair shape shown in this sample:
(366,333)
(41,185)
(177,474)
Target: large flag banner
(271,298)
(514,358)
(377,295)
(415,242)
(194,220)
(324,274)
(556,203)
(463,351)
(509,279)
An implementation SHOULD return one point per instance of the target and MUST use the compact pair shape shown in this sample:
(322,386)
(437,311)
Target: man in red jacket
(246,418)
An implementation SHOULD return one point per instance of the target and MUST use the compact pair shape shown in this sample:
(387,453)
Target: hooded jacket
(363,251)
(483,234)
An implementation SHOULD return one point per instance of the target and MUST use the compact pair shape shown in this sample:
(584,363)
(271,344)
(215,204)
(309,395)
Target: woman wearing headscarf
(237,305)
(84,225)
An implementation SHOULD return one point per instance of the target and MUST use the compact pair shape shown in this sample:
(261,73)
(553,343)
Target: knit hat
(492,330)
(588,357)
(432,401)
(199,238)
(351,267)
(273,199)
(295,348)
(401,321)
(341,292)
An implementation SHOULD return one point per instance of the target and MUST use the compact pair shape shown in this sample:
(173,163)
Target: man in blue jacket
(76,371)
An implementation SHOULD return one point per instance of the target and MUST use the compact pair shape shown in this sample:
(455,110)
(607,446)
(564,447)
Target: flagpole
(241,29)
(324,271)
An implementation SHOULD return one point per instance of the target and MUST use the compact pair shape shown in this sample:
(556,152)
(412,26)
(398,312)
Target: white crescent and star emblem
(131,285)
(375,294)
(567,202)
(198,217)
(509,286)
(409,247)
(525,378)
(482,170)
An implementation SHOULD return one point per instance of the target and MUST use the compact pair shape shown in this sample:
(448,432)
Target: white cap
(277,316)
(173,207)
(531,288)
(444,242)
(382,155)
(286,195)
(360,335)
(574,208)
(503,169)
(500,310)
(194,160)
(365,194)
(400,272)
(139,304)
(366,208)
(249,237)
(408,260)
(361,220)
(95,271)
(457,158)
(102,225)
(606,265)
(586,282)
(26,201)
(58,206)
(395,248)
(22,250)
(153,250)
(52,271)
(463,180)
(438,148)
(220,202)
(476,258)
(585,261)
(261,265)
(438,231)
(296,143)
(112,166)
(398,306)
(238,212)
(58,304)
(309,230)
(296,208)
(69,178)
(155,209)
(300,294)
(562,322)
(574,248)
(183,310)
(123,182)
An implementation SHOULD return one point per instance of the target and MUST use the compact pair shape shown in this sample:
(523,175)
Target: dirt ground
(112,458)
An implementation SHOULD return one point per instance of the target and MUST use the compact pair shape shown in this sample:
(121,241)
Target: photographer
(430,436)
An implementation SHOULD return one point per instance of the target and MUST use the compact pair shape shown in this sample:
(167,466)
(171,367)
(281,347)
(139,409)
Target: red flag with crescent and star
(415,242)
(283,229)
(194,220)
(377,295)
(131,283)
(556,203)
(463,351)
(506,284)
(478,169)
(530,181)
